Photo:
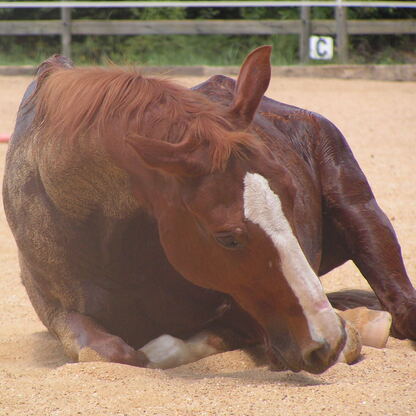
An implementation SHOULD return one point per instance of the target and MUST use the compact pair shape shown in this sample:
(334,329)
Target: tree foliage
(203,49)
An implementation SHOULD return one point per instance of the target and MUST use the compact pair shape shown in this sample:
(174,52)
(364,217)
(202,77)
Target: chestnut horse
(146,214)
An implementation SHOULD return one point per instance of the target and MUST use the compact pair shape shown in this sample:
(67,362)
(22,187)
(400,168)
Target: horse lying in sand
(147,214)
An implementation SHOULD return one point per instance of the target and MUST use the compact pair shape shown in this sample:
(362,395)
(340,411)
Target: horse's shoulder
(281,113)
(301,125)
(311,135)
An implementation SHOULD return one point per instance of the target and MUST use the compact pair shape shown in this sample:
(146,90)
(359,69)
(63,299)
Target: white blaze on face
(263,207)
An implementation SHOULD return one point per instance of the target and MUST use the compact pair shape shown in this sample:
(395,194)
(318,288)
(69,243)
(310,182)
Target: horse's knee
(83,339)
(112,349)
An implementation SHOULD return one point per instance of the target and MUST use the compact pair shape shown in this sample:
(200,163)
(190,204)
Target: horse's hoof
(373,326)
(352,348)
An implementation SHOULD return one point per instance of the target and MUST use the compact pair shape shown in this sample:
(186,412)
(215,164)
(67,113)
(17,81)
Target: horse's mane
(80,102)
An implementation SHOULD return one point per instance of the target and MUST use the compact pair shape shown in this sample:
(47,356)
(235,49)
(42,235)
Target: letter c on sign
(321,48)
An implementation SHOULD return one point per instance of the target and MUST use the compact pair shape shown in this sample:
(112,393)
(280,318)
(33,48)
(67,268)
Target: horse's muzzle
(320,357)
(315,357)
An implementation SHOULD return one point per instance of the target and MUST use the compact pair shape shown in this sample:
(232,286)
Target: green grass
(152,49)
(205,50)
(22,50)
(213,50)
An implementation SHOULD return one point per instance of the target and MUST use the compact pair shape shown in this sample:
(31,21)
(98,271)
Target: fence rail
(304,27)
(203,27)
(123,4)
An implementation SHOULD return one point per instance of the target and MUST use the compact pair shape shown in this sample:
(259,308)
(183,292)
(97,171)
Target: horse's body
(112,207)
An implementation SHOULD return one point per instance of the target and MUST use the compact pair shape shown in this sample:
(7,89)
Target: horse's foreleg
(365,232)
(81,336)
(84,339)
(372,243)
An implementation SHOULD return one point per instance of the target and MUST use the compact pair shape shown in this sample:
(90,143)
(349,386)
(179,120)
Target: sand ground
(379,120)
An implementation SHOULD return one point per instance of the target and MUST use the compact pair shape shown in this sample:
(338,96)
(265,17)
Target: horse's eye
(229,240)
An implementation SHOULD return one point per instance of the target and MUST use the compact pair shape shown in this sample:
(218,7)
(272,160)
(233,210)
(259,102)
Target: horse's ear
(179,159)
(252,83)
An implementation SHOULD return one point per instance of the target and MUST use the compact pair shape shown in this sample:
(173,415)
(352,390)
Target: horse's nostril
(318,355)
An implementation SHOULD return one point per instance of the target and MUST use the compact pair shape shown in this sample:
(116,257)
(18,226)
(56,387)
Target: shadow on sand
(47,352)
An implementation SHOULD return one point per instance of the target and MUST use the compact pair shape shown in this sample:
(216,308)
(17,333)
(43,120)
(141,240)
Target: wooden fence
(304,27)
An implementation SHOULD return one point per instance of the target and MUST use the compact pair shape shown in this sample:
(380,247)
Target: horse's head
(231,230)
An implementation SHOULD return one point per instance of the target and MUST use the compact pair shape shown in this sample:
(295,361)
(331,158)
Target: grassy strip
(152,49)
(214,50)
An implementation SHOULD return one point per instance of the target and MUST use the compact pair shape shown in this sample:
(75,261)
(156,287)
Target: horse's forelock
(222,139)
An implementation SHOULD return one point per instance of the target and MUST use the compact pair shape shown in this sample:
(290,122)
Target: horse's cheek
(187,251)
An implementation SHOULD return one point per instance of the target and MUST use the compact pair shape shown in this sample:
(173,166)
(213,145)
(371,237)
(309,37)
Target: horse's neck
(82,179)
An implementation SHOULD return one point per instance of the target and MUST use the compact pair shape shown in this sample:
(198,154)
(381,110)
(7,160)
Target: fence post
(342,33)
(305,32)
(66,31)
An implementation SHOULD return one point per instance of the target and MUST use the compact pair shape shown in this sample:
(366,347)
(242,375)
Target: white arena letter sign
(321,47)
